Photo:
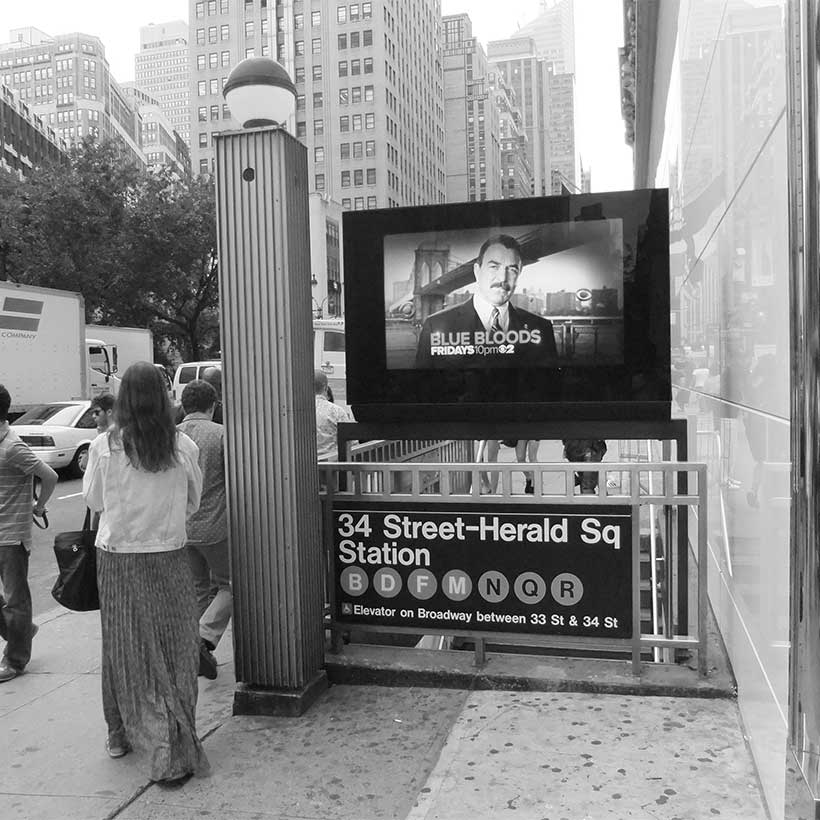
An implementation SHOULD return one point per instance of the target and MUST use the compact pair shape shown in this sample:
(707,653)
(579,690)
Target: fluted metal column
(267,344)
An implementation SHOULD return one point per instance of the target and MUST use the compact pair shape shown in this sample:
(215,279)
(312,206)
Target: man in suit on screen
(488,330)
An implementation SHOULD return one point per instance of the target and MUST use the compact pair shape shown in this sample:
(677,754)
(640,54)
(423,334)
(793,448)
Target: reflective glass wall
(719,142)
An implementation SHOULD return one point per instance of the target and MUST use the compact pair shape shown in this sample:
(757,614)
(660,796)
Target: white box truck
(133,344)
(44,354)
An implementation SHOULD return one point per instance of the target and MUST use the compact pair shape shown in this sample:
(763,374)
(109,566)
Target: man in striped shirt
(18,466)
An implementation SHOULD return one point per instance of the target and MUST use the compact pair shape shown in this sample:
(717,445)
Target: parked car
(59,433)
(187,372)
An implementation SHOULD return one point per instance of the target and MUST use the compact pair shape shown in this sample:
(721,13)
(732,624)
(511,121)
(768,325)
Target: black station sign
(551,570)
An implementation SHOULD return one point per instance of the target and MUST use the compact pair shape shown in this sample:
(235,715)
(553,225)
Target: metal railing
(666,489)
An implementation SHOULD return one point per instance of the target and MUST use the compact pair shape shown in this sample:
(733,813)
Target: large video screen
(540,308)
(534,295)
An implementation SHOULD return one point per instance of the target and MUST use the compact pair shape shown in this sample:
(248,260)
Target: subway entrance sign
(561,569)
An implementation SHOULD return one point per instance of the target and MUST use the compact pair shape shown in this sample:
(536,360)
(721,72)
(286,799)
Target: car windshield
(57,415)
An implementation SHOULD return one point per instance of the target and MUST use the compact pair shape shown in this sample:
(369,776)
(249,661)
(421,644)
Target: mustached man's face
(497,274)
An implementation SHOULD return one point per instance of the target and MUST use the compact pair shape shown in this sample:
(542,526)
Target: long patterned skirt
(150,658)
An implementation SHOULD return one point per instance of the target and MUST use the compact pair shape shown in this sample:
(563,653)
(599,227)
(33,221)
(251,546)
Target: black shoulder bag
(76,584)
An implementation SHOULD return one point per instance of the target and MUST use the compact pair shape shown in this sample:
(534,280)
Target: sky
(599,127)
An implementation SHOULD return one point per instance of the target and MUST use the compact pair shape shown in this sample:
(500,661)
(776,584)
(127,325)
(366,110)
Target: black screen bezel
(640,388)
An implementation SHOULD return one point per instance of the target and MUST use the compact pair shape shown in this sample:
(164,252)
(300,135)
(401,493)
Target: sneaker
(528,488)
(116,748)
(7,672)
(207,662)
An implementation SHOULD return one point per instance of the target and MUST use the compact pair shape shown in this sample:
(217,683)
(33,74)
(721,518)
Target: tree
(173,273)
(140,246)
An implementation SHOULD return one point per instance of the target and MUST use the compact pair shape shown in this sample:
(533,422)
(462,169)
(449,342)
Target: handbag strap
(42,520)
(87,520)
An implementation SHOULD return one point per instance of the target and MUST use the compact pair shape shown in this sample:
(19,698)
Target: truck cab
(102,367)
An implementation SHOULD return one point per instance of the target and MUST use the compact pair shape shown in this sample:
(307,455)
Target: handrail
(449,483)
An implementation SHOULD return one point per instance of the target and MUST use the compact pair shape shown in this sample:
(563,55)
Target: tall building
(472,121)
(553,32)
(528,76)
(370,104)
(26,140)
(161,143)
(561,133)
(516,174)
(161,69)
(67,81)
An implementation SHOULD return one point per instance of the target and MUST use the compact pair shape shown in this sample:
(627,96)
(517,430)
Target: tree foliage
(140,246)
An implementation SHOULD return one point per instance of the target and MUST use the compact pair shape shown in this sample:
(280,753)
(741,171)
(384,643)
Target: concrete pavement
(368,752)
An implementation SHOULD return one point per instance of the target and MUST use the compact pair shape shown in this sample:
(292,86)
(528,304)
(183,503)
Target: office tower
(528,76)
(161,142)
(561,133)
(553,32)
(67,81)
(472,128)
(516,173)
(161,70)
(370,105)
(26,140)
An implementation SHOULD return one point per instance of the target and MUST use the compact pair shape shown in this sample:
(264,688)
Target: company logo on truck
(20,317)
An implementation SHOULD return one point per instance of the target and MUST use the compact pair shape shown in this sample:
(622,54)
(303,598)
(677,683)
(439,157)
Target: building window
(319,126)
(203,140)
(357,150)
(200,10)
(354,12)
(344,150)
(211,34)
(368,93)
(317,99)
(202,113)
(358,203)
(344,96)
(346,204)
(370,148)
(368,65)
(226,59)
(298,21)
(319,183)
(367,37)
(343,68)
(226,112)
(200,62)
(357,122)
(371,202)
(356,94)
(317,72)
(223,6)
(355,67)
(358,177)
(371,176)
(211,7)
(224,32)
(344,123)
(367,11)
(203,166)
(200,41)
(345,179)
(299,48)
(301,129)
(248,28)
(354,39)
(319,154)
(201,88)
(299,74)
(369,121)
(300,102)
(342,41)
(213,60)
(214,86)
(341,14)
(214,112)
(263,27)
(316,45)
(316,18)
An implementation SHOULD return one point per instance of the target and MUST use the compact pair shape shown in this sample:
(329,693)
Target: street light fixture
(265,310)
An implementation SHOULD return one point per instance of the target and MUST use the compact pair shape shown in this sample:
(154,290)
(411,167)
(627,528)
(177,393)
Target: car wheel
(80,461)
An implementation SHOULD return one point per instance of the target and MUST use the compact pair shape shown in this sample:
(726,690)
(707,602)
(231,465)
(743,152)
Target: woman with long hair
(144,477)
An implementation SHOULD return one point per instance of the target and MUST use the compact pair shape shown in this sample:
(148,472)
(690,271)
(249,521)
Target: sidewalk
(369,752)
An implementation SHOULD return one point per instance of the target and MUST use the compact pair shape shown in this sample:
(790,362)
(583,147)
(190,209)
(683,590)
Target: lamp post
(271,477)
